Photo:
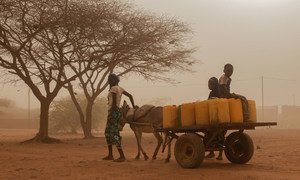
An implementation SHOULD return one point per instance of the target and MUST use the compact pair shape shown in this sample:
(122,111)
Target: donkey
(145,119)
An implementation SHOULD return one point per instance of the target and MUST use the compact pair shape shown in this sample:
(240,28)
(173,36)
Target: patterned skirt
(112,133)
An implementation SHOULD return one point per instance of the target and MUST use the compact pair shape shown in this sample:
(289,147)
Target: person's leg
(210,155)
(122,156)
(244,102)
(207,137)
(220,155)
(108,137)
(221,140)
(115,134)
(245,107)
(117,142)
(110,154)
(120,150)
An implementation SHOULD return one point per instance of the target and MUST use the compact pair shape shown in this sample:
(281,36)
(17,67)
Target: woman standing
(112,133)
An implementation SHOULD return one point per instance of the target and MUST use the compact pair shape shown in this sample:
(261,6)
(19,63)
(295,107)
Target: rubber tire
(189,151)
(239,148)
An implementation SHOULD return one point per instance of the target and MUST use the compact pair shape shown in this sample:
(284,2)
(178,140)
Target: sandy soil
(277,156)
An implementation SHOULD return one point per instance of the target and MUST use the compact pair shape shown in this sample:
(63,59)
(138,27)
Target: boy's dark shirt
(215,93)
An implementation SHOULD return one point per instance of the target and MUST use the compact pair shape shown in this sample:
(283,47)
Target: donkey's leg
(169,150)
(159,142)
(138,144)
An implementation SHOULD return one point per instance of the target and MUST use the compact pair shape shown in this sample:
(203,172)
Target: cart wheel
(239,148)
(189,150)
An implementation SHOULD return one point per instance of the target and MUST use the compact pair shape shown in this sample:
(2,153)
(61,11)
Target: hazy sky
(259,37)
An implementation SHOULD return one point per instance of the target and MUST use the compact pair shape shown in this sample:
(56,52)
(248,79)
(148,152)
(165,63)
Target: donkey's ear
(124,103)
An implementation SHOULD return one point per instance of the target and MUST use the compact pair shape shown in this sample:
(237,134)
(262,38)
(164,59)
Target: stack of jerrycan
(216,111)
(213,111)
(181,116)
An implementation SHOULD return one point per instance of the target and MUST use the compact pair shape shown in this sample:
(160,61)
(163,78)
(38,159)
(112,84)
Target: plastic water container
(186,114)
(170,116)
(218,111)
(252,111)
(236,110)
(202,113)
(223,111)
(213,111)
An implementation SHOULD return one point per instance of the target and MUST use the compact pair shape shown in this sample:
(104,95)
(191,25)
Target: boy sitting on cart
(224,83)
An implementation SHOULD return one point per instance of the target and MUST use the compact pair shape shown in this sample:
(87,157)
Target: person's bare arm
(130,97)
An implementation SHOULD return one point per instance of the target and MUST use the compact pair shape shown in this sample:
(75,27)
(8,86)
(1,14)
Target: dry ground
(277,156)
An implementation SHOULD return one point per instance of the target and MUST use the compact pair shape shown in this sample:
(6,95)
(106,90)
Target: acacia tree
(38,44)
(128,41)
(98,14)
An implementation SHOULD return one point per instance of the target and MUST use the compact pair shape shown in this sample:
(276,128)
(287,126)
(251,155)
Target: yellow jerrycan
(187,114)
(236,110)
(223,111)
(252,111)
(218,111)
(202,113)
(170,116)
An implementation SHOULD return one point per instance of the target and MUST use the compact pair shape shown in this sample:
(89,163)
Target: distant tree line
(7,103)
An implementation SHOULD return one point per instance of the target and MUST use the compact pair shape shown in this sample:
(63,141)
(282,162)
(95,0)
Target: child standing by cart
(213,85)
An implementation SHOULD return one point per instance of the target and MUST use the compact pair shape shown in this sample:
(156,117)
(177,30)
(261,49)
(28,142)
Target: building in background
(268,114)
(289,117)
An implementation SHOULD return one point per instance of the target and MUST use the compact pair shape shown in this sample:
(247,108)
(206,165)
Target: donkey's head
(124,111)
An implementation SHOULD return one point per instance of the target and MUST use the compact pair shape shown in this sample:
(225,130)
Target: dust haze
(260,38)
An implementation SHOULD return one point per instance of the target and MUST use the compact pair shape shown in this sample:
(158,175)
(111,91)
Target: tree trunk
(89,109)
(44,120)
(80,112)
(42,135)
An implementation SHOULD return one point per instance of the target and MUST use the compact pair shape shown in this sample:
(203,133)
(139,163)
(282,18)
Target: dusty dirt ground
(276,156)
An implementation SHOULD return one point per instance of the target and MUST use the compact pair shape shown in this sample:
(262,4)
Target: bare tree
(38,45)
(128,41)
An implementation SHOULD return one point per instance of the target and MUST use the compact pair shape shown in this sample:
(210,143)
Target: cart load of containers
(213,111)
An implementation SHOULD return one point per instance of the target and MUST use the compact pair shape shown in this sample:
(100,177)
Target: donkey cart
(194,141)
